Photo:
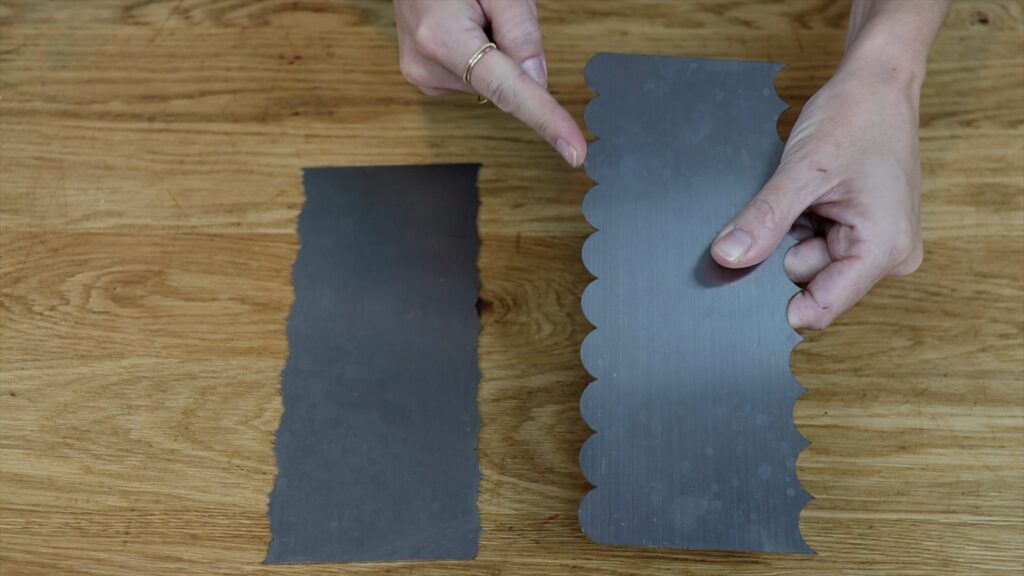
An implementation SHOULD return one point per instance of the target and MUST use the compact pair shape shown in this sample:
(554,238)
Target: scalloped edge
(802,491)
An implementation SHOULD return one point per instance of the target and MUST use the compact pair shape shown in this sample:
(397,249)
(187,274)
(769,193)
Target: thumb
(755,233)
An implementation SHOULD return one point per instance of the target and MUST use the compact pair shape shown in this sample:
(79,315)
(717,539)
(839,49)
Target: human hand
(436,39)
(851,163)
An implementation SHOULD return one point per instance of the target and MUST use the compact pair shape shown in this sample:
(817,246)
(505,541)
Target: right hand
(436,39)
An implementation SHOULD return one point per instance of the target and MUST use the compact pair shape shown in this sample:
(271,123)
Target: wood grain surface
(150,156)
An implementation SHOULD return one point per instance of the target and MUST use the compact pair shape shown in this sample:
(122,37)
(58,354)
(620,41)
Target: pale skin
(848,184)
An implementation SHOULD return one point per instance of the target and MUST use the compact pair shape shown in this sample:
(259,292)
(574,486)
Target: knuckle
(914,262)
(545,128)
(502,94)
(911,263)
(426,38)
(413,73)
(763,213)
(822,312)
(522,35)
(903,248)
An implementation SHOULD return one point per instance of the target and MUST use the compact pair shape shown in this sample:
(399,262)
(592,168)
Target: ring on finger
(468,74)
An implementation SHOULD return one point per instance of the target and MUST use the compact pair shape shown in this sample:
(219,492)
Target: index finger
(497,78)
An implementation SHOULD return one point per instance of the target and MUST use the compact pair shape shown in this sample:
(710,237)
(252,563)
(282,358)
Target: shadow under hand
(711,274)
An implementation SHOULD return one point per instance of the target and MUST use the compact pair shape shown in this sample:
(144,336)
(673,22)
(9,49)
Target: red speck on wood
(550,518)
(319,8)
(297,57)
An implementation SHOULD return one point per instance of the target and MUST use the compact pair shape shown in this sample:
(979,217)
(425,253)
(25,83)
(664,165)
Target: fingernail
(567,152)
(534,68)
(733,245)
(794,322)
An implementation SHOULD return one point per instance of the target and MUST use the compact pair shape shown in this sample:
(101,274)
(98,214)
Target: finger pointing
(499,79)
(503,82)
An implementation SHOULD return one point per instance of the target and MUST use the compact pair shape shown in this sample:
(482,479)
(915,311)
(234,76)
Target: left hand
(851,163)
(436,39)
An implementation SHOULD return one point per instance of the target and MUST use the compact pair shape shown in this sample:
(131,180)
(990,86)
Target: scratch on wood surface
(12,50)
(37,239)
(164,24)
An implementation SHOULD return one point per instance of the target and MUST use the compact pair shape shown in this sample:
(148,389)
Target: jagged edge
(783,107)
(287,323)
(280,378)
(477,167)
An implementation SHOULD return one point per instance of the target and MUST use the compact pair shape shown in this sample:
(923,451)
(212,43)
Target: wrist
(886,57)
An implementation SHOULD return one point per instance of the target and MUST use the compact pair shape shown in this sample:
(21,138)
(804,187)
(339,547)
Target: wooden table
(150,156)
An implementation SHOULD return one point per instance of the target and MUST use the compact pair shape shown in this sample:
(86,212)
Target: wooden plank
(149,183)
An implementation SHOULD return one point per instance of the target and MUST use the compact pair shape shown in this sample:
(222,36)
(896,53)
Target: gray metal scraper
(694,443)
(376,449)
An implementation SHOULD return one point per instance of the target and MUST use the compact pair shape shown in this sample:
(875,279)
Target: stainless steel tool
(376,449)
(694,443)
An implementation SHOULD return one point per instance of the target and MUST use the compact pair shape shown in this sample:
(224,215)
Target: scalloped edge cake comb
(694,444)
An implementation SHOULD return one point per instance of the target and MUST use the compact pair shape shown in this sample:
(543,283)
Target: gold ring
(468,74)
